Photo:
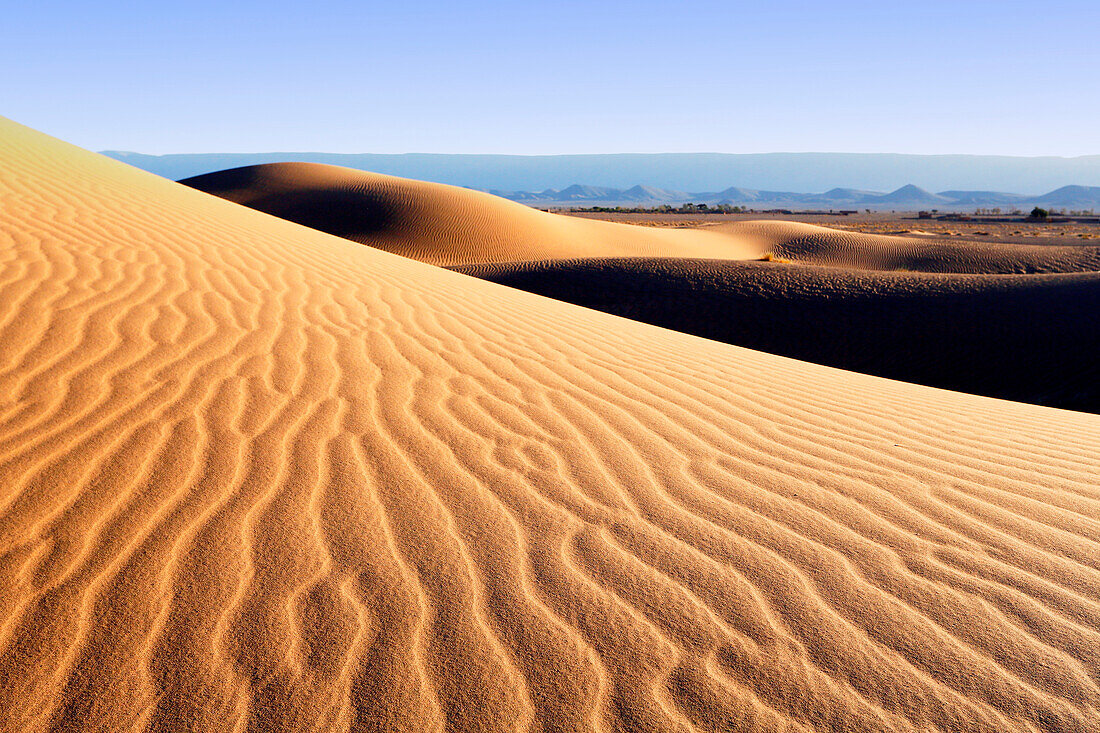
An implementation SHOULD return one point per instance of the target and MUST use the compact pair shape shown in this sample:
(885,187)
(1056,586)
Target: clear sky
(962,76)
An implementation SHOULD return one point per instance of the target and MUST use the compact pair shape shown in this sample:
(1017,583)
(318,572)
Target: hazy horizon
(688,172)
(573,154)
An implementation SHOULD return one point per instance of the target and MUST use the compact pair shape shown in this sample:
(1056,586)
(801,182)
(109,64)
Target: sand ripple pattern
(254,477)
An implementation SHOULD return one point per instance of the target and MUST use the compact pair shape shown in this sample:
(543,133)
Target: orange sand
(258,477)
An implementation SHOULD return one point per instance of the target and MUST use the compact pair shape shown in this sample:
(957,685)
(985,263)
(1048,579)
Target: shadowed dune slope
(254,477)
(1033,338)
(446,225)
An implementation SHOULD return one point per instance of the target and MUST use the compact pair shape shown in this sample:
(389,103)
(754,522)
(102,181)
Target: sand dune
(1026,338)
(1033,338)
(255,477)
(446,225)
(816,245)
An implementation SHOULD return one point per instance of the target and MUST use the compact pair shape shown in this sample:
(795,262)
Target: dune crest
(258,477)
(446,225)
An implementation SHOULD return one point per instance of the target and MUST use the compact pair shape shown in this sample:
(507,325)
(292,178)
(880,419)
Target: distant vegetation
(997,211)
(664,209)
(1038,213)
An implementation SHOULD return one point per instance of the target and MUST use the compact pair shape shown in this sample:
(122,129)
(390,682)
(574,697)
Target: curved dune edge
(1031,338)
(256,476)
(447,225)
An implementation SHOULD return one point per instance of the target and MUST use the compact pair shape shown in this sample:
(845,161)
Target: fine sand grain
(255,477)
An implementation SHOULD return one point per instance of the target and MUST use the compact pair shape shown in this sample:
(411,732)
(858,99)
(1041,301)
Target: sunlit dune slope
(1034,338)
(445,225)
(255,477)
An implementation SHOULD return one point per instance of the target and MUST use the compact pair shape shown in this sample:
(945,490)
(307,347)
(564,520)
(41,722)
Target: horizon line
(105,151)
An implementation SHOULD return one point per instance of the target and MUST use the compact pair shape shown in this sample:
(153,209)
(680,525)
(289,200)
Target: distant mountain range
(906,197)
(679,172)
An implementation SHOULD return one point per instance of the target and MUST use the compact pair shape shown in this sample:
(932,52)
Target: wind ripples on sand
(257,477)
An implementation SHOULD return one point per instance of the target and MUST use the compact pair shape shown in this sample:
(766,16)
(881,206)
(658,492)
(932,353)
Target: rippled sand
(258,477)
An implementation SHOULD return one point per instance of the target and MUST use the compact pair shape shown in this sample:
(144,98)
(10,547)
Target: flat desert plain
(259,477)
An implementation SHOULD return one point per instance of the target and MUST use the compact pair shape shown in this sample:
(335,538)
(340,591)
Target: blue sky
(565,77)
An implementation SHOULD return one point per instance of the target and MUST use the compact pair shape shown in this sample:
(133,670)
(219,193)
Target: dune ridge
(445,225)
(255,477)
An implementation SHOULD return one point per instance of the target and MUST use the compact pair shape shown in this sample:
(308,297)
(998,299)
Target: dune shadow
(348,213)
